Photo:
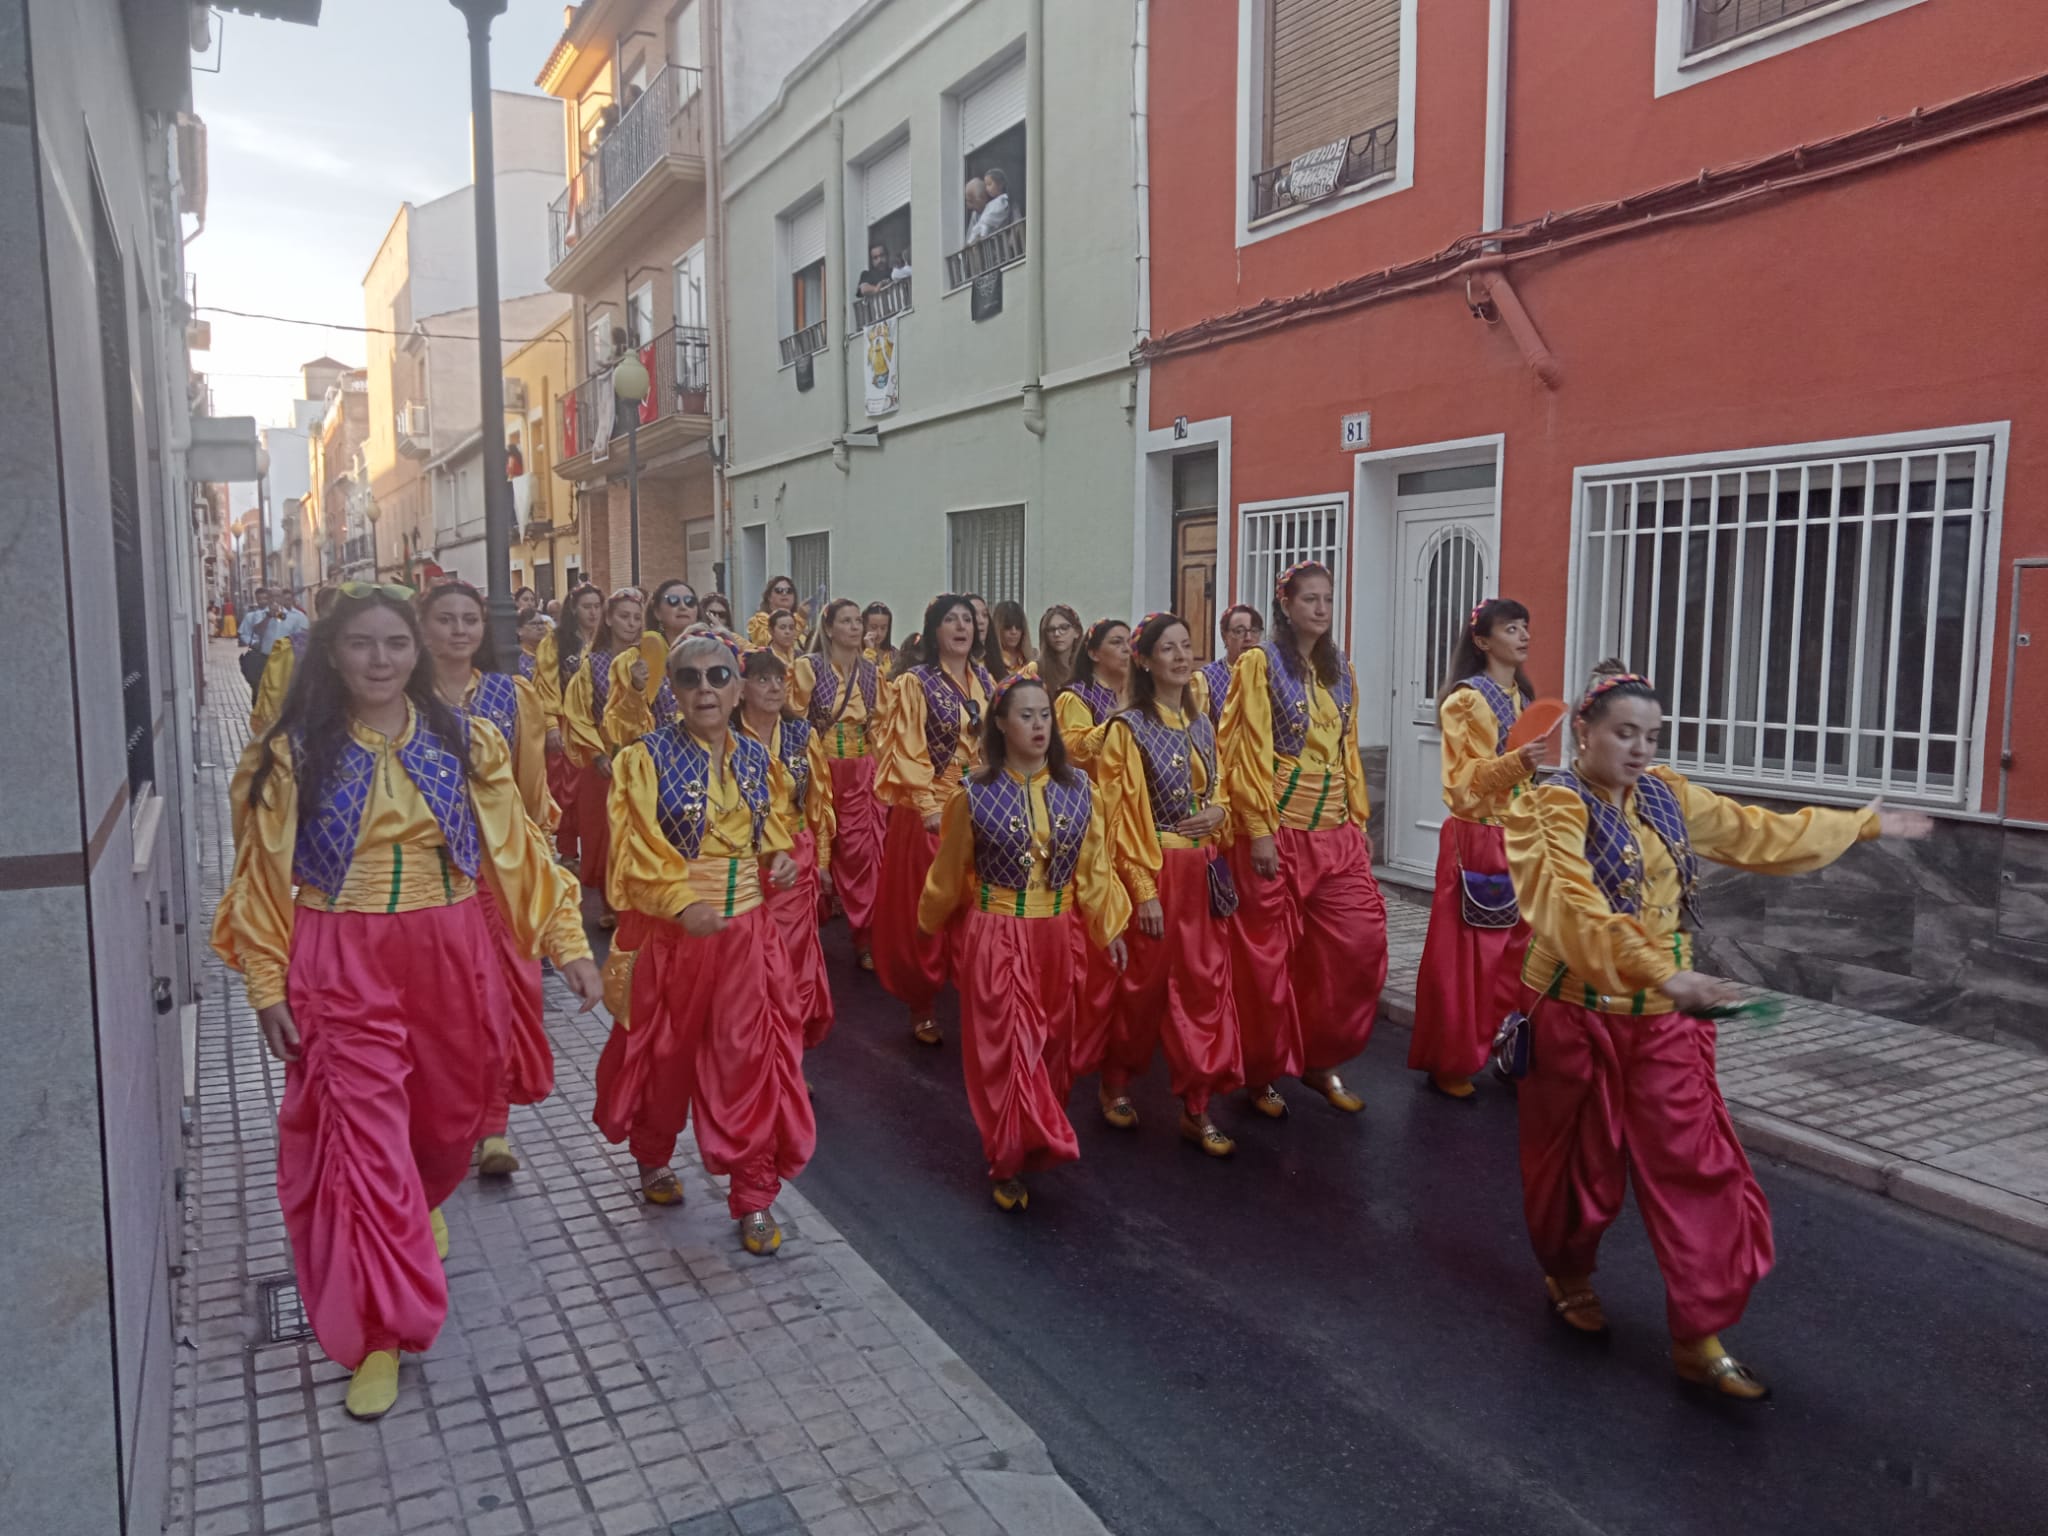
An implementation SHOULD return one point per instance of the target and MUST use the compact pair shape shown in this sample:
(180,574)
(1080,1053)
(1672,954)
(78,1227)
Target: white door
(1444,564)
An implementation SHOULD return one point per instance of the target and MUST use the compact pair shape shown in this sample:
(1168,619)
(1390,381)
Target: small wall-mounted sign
(986,302)
(806,372)
(1180,428)
(1358,431)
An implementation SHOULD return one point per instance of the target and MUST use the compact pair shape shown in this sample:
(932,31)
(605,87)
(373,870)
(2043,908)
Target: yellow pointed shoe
(1450,1086)
(1010,1195)
(865,959)
(440,1225)
(1331,1087)
(758,1234)
(495,1158)
(374,1387)
(1706,1364)
(1118,1110)
(1204,1134)
(926,1032)
(660,1186)
(1267,1101)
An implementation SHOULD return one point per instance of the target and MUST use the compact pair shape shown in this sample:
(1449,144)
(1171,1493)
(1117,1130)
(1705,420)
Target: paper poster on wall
(880,369)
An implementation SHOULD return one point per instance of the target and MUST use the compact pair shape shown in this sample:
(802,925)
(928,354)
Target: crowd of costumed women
(1110,851)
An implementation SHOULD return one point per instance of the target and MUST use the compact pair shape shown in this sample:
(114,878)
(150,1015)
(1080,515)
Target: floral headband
(626,592)
(1478,608)
(1606,685)
(1027,674)
(1285,584)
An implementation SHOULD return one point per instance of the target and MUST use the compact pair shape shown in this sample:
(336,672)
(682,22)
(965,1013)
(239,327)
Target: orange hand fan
(1537,721)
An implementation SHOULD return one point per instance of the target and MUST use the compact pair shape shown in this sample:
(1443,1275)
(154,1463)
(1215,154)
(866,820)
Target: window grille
(125,506)
(1713,22)
(988,552)
(1812,624)
(1452,575)
(810,565)
(1272,537)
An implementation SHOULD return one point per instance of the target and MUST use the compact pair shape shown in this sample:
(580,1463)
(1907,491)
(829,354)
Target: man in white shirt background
(995,210)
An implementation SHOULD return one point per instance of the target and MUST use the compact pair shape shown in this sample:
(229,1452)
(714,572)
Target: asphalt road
(1342,1329)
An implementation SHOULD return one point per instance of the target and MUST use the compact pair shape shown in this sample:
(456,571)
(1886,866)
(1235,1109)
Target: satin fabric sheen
(401,1042)
(562,777)
(1610,1099)
(593,825)
(713,1031)
(1177,992)
(1471,978)
(912,966)
(529,1074)
(857,850)
(1309,955)
(796,916)
(1017,983)
(1094,1015)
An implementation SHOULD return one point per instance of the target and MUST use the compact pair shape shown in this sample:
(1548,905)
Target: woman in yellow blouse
(1620,1085)
(931,739)
(1059,646)
(1022,859)
(455,624)
(639,697)
(840,692)
(1471,976)
(702,1007)
(1158,777)
(276,679)
(778,597)
(1311,934)
(1011,646)
(877,641)
(785,630)
(555,661)
(366,821)
(802,788)
(584,701)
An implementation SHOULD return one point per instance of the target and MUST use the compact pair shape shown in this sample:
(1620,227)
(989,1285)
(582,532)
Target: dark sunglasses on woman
(689,679)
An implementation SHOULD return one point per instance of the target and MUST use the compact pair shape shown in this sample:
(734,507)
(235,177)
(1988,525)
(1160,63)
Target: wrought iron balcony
(1003,248)
(886,304)
(678,364)
(1320,173)
(805,343)
(668,119)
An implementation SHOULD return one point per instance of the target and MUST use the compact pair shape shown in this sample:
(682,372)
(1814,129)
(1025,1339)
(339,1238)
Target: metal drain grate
(284,1313)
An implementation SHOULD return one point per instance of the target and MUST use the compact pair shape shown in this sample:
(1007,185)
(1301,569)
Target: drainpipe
(714,231)
(1034,222)
(835,191)
(1141,156)
(1494,194)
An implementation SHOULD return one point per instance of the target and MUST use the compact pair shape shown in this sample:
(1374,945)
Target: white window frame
(686,267)
(786,269)
(597,335)
(953,156)
(1254,573)
(1023,511)
(1251,116)
(806,590)
(639,309)
(1992,437)
(1677,69)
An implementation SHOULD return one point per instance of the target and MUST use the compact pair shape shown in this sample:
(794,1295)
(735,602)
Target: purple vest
(497,700)
(524,665)
(600,682)
(1290,700)
(794,742)
(1502,706)
(1611,849)
(1002,813)
(682,777)
(326,843)
(944,711)
(667,708)
(1217,676)
(1099,698)
(825,696)
(299,643)
(1168,758)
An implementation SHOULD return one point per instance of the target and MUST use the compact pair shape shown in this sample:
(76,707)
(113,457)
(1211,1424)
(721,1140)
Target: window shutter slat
(885,184)
(807,236)
(1335,70)
(991,107)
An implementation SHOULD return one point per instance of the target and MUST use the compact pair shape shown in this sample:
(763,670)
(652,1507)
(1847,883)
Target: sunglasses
(680,600)
(390,589)
(973,712)
(689,679)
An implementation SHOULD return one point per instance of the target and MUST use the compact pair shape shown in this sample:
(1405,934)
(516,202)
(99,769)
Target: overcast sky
(315,135)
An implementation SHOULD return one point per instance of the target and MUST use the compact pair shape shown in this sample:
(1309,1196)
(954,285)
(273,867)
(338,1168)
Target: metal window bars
(988,552)
(1002,248)
(1812,623)
(1270,539)
(1308,178)
(679,384)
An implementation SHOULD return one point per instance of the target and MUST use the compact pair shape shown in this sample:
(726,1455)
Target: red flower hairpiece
(1287,578)
(1606,685)
(1477,609)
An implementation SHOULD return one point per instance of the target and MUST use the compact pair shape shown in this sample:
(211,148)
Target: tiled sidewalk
(606,1368)
(1953,1126)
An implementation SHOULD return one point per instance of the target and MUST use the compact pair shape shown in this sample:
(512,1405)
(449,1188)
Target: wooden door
(1194,580)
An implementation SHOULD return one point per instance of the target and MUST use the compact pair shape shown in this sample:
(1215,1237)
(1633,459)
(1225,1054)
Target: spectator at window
(995,212)
(976,194)
(900,273)
(877,276)
(515,461)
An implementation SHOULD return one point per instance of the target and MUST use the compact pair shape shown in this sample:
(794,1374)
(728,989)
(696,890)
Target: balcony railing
(805,343)
(1003,248)
(359,551)
(1321,173)
(668,119)
(678,364)
(886,304)
(413,437)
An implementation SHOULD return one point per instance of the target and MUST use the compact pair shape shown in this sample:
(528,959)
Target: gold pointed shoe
(758,1234)
(1575,1305)
(660,1186)
(495,1158)
(439,1224)
(927,1032)
(865,959)
(1331,1087)
(1010,1195)
(1267,1101)
(374,1387)
(1204,1134)
(1715,1368)
(1118,1110)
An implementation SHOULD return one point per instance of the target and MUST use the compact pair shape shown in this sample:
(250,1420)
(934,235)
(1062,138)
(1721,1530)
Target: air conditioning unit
(412,431)
(515,394)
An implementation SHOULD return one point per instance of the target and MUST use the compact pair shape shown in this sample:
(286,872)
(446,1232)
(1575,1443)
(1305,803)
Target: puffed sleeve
(271,687)
(903,769)
(581,730)
(252,926)
(1766,842)
(547,679)
(757,629)
(952,871)
(627,714)
(644,873)
(1097,891)
(1126,803)
(1244,744)
(821,812)
(530,760)
(803,682)
(537,897)
(1077,729)
(1546,846)
(1476,779)
(1198,694)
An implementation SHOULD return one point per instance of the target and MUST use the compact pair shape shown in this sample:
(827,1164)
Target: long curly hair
(1328,664)
(315,715)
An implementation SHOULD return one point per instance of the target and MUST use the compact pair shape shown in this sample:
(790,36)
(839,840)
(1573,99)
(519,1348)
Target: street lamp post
(263,517)
(630,384)
(490,342)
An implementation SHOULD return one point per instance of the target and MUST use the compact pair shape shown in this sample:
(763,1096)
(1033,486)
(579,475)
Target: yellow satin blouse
(1477,781)
(400,862)
(1078,730)
(529,753)
(849,735)
(647,873)
(1324,787)
(819,813)
(1583,951)
(903,767)
(953,883)
(272,685)
(628,711)
(547,679)
(1136,846)
(582,731)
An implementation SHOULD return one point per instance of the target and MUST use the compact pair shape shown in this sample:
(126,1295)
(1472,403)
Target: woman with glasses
(1059,646)
(455,623)
(1311,929)
(590,749)
(698,981)
(1022,864)
(778,597)
(555,661)
(534,627)
(717,611)
(840,692)
(639,697)
(932,738)
(366,820)
(1243,628)
(1099,689)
